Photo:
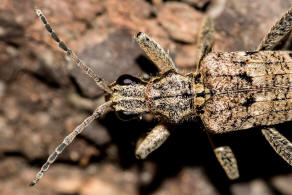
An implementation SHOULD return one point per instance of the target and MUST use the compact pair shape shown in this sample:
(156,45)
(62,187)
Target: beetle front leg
(153,140)
(279,143)
(155,52)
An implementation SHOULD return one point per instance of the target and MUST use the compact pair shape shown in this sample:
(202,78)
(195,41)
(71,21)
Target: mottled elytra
(229,91)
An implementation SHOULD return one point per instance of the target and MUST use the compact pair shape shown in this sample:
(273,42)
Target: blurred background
(43,97)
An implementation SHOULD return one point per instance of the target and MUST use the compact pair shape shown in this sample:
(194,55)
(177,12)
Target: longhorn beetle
(229,91)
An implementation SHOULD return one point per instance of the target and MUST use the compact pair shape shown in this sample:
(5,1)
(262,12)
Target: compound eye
(127,80)
(126,116)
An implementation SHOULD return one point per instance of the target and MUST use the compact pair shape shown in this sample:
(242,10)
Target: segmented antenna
(69,138)
(86,69)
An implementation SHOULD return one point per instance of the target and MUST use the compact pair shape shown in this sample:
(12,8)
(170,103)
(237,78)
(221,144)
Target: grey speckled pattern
(249,89)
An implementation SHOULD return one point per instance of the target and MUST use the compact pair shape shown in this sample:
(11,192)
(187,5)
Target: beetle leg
(278,34)
(153,140)
(279,143)
(228,161)
(155,52)
(226,158)
(206,39)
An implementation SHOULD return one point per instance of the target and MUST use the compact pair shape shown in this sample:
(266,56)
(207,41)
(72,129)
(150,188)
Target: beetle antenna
(85,68)
(99,111)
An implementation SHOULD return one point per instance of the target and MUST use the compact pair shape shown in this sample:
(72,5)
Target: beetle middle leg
(224,154)
(206,39)
(226,159)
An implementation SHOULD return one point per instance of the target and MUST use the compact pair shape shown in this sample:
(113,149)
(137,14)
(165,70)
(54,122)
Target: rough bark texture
(43,97)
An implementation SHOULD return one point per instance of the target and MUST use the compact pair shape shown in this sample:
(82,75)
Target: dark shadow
(46,77)
(147,65)
(125,134)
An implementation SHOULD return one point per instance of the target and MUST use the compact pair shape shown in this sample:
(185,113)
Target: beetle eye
(126,116)
(127,80)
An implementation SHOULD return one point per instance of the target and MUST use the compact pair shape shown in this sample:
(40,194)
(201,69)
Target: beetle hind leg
(280,144)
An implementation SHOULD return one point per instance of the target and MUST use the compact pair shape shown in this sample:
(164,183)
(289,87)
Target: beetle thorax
(171,96)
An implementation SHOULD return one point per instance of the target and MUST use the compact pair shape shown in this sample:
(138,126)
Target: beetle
(229,91)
